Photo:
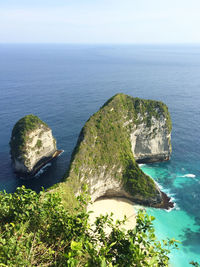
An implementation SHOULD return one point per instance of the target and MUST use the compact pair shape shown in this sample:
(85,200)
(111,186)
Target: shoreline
(166,203)
(120,207)
(39,166)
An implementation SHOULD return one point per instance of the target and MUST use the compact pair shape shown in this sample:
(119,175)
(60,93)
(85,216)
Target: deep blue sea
(65,84)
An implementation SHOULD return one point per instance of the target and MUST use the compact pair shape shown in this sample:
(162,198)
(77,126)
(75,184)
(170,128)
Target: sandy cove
(118,206)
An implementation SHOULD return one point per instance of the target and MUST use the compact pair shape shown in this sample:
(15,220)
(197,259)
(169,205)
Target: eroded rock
(32,145)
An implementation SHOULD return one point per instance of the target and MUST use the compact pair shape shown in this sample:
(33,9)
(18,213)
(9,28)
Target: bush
(39,143)
(36,230)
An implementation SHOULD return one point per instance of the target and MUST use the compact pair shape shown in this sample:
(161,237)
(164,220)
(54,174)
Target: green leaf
(153,261)
(76,245)
(103,262)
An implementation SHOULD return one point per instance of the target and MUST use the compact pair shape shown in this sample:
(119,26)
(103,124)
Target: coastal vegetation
(39,143)
(36,230)
(53,228)
(104,146)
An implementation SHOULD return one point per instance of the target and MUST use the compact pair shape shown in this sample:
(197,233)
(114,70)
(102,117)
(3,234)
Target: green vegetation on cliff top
(20,132)
(104,145)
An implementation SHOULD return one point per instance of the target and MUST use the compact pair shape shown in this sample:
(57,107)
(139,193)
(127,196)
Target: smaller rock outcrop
(32,145)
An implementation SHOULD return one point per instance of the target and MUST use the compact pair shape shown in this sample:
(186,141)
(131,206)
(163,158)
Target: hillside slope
(124,130)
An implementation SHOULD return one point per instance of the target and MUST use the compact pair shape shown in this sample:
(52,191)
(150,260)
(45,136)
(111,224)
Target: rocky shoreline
(166,203)
(38,166)
(124,131)
(153,159)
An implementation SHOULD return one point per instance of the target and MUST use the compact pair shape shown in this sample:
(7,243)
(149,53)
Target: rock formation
(151,143)
(32,145)
(123,131)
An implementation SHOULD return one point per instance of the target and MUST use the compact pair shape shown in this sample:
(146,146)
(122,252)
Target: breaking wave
(42,169)
(189,175)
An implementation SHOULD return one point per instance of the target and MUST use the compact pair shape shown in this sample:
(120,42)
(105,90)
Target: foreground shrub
(36,230)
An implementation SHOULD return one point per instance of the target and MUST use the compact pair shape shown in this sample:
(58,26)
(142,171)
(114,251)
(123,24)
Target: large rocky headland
(124,132)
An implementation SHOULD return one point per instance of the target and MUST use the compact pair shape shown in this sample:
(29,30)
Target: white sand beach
(118,206)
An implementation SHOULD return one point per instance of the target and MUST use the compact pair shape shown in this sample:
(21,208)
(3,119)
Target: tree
(36,230)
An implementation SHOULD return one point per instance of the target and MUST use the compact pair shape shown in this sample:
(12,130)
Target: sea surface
(65,84)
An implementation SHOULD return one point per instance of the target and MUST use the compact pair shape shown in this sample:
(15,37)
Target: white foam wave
(159,185)
(170,209)
(172,198)
(170,195)
(141,164)
(167,192)
(61,153)
(42,169)
(189,175)
(175,207)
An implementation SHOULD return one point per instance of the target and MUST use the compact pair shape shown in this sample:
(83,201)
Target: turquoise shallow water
(65,84)
(176,223)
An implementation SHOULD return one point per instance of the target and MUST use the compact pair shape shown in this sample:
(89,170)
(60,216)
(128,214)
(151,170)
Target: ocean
(65,84)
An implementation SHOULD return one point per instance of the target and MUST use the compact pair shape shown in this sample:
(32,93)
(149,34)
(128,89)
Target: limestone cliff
(32,144)
(151,142)
(124,130)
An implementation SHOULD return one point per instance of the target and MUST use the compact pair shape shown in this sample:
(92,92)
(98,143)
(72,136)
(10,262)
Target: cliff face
(151,143)
(32,143)
(124,130)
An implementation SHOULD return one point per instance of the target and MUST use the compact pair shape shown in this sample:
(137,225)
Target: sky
(100,21)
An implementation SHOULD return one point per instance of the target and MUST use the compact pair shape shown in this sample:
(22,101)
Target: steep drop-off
(32,144)
(123,131)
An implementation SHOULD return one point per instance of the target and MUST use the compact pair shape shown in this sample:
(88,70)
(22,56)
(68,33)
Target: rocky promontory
(32,145)
(123,132)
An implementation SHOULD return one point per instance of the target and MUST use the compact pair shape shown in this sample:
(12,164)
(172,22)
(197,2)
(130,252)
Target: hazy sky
(100,21)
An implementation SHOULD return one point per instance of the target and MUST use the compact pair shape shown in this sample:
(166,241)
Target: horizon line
(98,43)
